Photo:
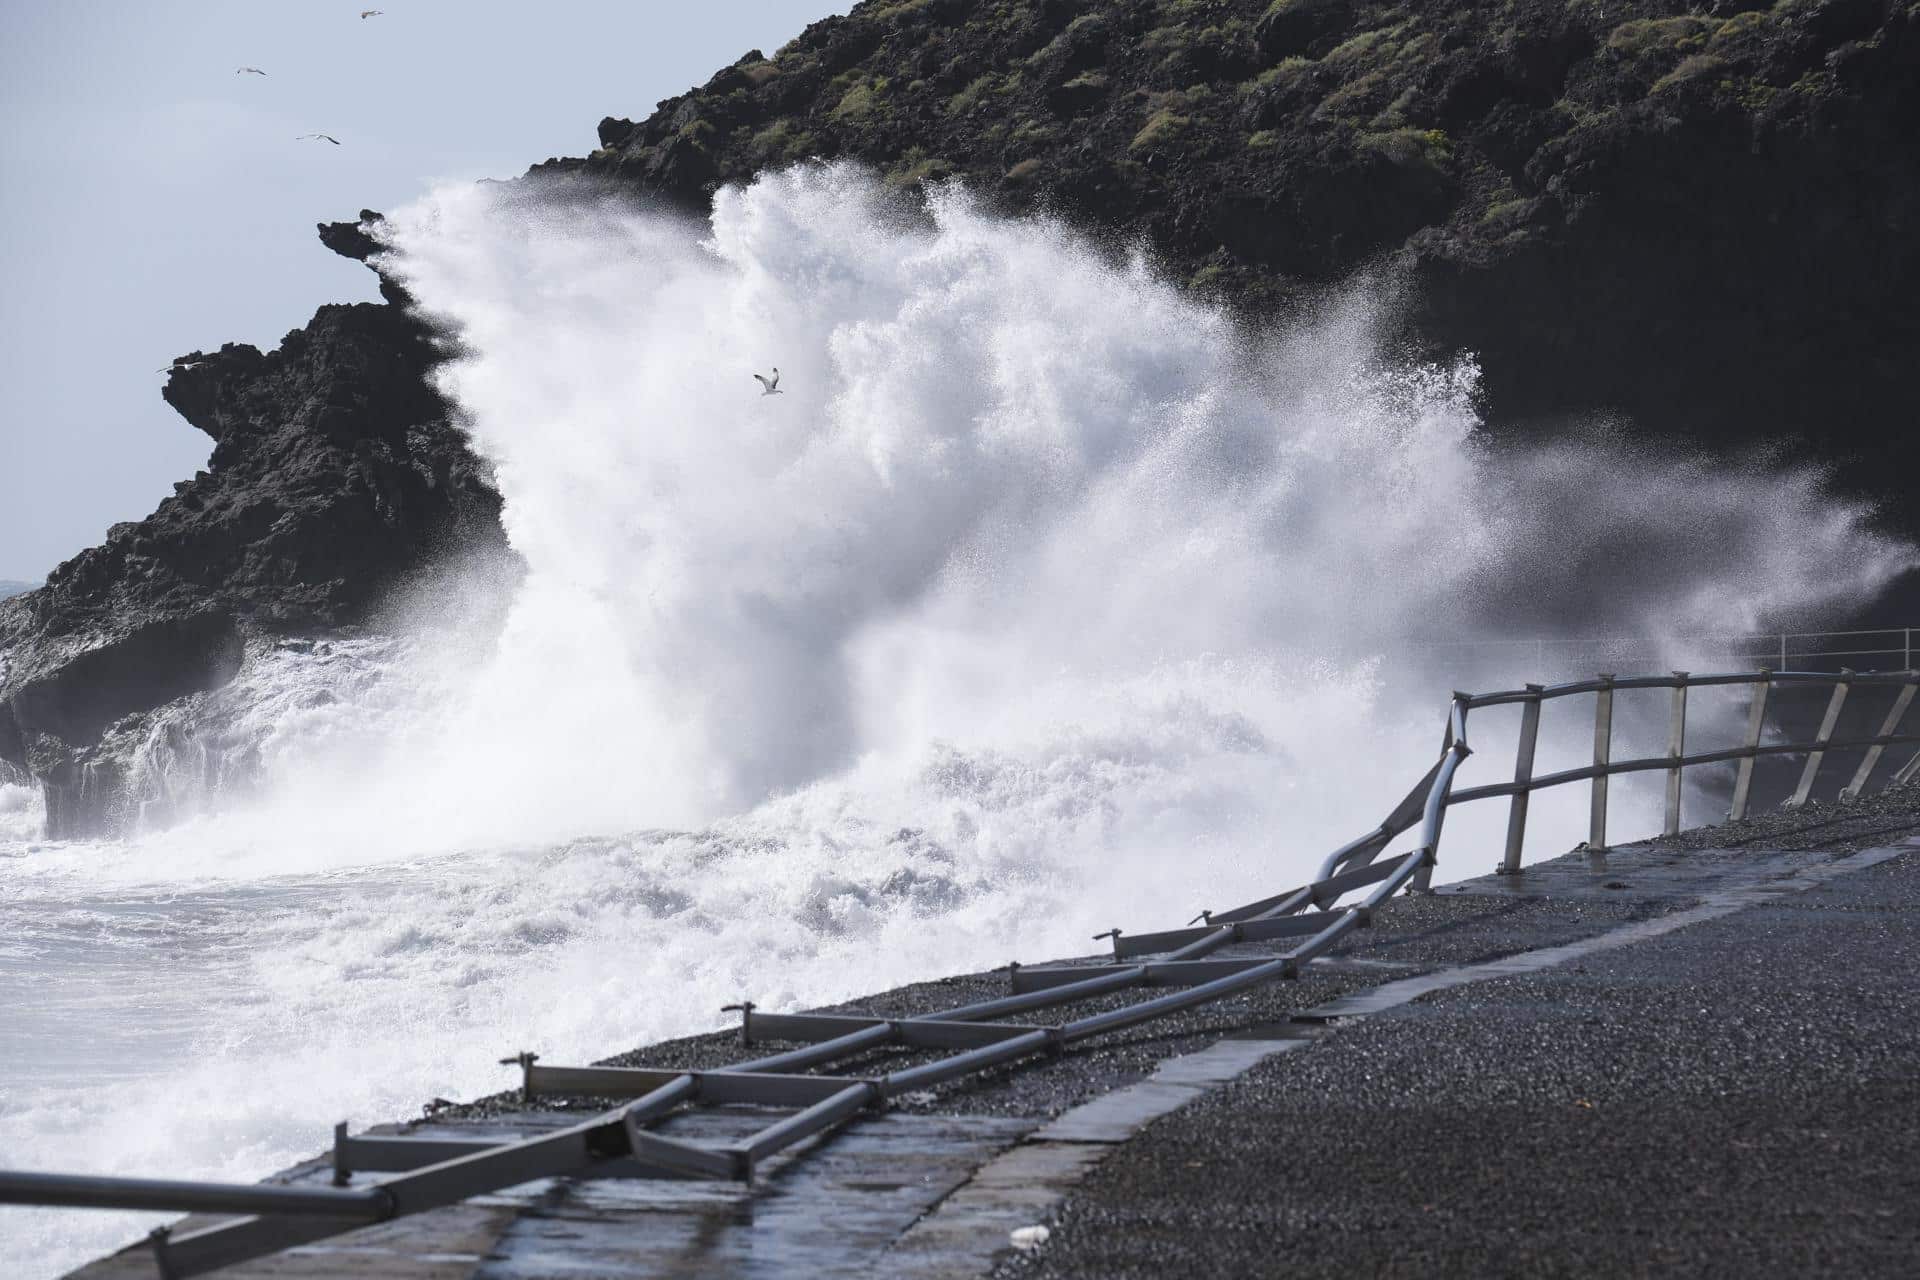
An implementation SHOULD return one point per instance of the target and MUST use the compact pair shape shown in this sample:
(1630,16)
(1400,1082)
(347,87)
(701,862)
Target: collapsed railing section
(436,1172)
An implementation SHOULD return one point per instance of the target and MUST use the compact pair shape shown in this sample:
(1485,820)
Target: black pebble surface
(1737,1097)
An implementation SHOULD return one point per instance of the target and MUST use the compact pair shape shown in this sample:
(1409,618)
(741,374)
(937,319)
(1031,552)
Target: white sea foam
(22,814)
(1045,599)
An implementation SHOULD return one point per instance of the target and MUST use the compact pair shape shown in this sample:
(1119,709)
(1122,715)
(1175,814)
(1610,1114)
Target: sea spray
(1044,599)
(1001,460)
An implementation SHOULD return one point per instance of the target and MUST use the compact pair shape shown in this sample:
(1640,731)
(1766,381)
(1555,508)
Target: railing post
(1887,726)
(1910,770)
(1522,773)
(1676,749)
(1783,652)
(1756,721)
(1602,754)
(1819,752)
(1457,713)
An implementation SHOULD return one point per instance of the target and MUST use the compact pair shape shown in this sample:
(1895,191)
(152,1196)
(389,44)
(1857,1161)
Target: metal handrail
(435,1173)
(77,1191)
(1603,687)
(1745,646)
(1687,679)
(1667,762)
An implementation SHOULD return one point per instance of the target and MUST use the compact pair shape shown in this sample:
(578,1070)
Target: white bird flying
(326,136)
(770,388)
(248,71)
(370,13)
(180,365)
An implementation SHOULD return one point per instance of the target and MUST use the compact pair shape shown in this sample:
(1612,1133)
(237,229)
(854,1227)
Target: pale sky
(152,201)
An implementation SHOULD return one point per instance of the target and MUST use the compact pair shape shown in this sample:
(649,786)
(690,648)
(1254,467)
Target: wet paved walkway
(1667,1057)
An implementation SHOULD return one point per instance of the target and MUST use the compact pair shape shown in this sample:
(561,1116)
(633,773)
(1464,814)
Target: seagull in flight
(770,388)
(248,71)
(370,13)
(327,136)
(180,366)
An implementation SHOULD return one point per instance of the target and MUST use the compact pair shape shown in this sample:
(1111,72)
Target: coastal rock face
(1700,215)
(335,471)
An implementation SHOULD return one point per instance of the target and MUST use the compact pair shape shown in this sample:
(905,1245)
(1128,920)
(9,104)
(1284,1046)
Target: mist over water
(1043,599)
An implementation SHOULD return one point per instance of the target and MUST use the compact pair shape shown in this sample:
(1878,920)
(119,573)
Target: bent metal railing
(436,1172)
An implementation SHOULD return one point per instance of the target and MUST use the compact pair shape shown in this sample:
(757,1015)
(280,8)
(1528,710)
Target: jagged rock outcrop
(1700,215)
(336,471)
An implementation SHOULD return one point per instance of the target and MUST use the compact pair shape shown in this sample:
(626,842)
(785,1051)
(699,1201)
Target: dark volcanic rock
(152,664)
(336,470)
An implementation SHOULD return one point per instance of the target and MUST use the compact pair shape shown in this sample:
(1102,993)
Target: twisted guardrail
(436,1172)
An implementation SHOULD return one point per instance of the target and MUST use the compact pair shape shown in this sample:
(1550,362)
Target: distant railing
(1309,921)
(1886,648)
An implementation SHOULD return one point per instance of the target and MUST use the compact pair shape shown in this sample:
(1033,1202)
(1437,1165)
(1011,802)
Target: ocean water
(1043,599)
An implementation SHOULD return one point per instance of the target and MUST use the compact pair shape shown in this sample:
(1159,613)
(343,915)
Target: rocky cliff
(335,472)
(1702,216)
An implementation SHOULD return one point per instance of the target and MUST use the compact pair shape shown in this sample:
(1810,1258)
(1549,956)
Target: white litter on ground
(1027,1239)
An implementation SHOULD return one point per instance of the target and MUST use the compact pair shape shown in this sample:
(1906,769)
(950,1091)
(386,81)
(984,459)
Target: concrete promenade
(1699,1056)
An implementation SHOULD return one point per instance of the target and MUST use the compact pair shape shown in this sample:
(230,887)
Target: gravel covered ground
(1882,817)
(1735,1098)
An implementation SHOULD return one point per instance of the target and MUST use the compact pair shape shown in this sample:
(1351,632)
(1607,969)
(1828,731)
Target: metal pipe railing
(825,1101)
(1756,724)
(1645,763)
(1677,758)
(1867,764)
(1835,702)
(88,1191)
(1910,770)
(1676,753)
(280,1217)
(1522,775)
(1777,649)
(1602,753)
